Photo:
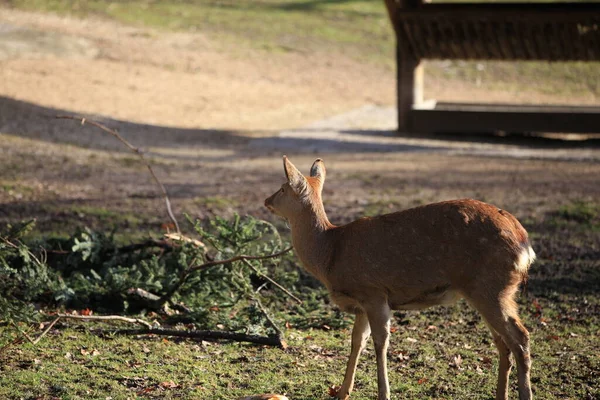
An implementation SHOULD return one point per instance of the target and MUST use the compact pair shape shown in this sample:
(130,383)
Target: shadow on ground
(23,119)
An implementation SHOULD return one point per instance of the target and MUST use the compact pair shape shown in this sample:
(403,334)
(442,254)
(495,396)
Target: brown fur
(412,259)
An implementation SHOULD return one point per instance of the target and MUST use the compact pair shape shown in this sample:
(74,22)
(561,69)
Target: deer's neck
(313,241)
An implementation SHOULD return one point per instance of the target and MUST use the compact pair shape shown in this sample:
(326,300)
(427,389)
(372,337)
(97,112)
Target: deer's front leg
(360,334)
(379,320)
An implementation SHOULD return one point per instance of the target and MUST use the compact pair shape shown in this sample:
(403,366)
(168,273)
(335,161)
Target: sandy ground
(215,122)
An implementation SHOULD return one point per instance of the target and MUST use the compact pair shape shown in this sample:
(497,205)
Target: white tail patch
(526,258)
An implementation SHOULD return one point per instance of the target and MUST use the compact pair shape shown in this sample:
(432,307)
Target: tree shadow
(32,121)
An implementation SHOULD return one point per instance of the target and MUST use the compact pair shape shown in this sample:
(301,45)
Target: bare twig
(269,319)
(180,238)
(107,318)
(277,285)
(36,340)
(238,337)
(134,149)
(22,332)
(185,274)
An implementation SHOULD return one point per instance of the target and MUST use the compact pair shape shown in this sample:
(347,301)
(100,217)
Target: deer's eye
(281,190)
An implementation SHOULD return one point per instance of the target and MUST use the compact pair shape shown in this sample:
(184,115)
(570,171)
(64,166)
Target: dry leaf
(333,390)
(168,385)
(486,360)
(456,362)
(422,381)
(411,340)
(265,397)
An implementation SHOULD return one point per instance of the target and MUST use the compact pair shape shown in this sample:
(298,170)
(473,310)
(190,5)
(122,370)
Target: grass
(561,79)
(74,362)
(560,306)
(60,220)
(584,212)
(215,203)
(279,26)
(577,215)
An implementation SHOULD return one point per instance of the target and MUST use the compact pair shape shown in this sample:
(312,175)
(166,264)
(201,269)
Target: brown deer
(412,259)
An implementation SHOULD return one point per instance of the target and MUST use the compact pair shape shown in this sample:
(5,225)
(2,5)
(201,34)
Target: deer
(430,255)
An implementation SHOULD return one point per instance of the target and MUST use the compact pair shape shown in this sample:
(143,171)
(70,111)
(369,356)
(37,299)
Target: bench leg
(409,90)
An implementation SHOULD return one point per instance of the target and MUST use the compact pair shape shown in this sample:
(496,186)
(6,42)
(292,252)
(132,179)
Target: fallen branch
(37,340)
(272,323)
(238,337)
(275,340)
(107,318)
(137,151)
(277,285)
(180,238)
(185,274)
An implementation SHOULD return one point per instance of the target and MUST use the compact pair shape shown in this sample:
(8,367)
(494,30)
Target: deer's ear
(295,178)
(318,170)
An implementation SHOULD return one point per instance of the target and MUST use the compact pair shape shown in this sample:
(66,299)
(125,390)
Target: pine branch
(185,274)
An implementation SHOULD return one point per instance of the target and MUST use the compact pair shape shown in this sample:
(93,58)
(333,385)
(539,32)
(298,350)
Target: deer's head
(300,193)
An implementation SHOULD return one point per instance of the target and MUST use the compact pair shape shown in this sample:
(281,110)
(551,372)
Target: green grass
(584,212)
(563,79)
(560,306)
(577,215)
(61,220)
(352,26)
(215,203)
(76,363)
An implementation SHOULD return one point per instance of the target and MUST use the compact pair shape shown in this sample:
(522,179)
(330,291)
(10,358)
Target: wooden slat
(481,118)
(498,31)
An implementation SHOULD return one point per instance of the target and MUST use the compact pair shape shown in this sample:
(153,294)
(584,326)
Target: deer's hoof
(336,392)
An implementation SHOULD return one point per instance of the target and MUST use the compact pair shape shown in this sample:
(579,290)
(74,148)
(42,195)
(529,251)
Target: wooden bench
(491,31)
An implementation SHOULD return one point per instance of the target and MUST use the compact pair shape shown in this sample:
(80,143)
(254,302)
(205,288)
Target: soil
(215,121)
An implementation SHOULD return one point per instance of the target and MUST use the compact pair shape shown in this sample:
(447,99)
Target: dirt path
(175,79)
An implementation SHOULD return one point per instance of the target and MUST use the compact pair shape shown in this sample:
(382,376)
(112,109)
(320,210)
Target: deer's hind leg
(499,310)
(504,367)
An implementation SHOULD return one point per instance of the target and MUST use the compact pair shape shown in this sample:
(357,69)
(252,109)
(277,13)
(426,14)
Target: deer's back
(428,249)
